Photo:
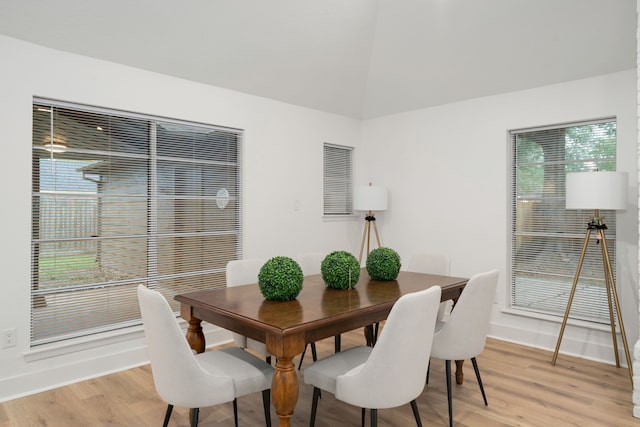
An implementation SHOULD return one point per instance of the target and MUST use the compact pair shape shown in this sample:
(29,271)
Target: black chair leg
(337,343)
(374,418)
(416,414)
(235,412)
(266,403)
(268,359)
(364,413)
(194,416)
(314,354)
(314,406)
(167,415)
(475,368)
(302,356)
(428,369)
(447,365)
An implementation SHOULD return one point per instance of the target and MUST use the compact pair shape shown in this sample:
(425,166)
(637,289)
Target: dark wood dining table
(318,312)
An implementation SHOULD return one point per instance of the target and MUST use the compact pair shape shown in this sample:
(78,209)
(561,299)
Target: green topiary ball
(280,279)
(340,270)
(383,264)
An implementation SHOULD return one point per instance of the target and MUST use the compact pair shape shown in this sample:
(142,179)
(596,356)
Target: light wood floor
(522,387)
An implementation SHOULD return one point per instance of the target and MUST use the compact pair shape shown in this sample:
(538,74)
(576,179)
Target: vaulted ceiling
(360,58)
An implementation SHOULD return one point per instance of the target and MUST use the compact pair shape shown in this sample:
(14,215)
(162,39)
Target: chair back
(243,271)
(310,262)
(430,264)
(463,336)
(177,376)
(395,372)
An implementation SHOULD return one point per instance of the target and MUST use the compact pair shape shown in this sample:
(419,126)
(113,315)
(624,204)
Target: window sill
(339,218)
(557,319)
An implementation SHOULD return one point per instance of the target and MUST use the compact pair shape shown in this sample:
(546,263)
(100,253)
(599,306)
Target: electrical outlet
(8,338)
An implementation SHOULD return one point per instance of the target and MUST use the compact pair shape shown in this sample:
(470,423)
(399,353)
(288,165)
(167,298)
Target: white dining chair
(464,334)
(391,373)
(183,378)
(310,263)
(433,263)
(242,272)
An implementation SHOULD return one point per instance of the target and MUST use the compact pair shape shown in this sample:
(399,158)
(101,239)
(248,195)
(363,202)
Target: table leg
(284,389)
(195,337)
(459,373)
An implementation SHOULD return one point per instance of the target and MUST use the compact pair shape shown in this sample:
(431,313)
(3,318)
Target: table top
(317,312)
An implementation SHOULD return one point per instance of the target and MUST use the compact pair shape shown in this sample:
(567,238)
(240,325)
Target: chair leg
(428,369)
(268,359)
(475,368)
(337,343)
(314,406)
(364,413)
(314,352)
(416,414)
(194,416)
(266,403)
(447,365)
(167,415)
(302,356)
(374,418)
(235,412)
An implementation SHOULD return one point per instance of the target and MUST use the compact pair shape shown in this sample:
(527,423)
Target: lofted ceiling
(359,58)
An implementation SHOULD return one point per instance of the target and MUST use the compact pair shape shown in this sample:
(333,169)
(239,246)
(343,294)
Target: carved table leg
(284,389)
(195,337)
(459,373)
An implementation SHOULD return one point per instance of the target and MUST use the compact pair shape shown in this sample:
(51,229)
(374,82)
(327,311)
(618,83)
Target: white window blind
(338,187)
(546,238)
(121,199)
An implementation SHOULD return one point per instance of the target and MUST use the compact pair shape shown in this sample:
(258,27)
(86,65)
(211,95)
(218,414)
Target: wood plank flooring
(523,389)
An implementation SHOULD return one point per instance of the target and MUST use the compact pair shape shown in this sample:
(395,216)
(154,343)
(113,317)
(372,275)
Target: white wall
(447,170)
(282,159)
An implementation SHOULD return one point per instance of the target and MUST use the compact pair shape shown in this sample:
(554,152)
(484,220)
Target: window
(547,239)
(121,199)
(338,187)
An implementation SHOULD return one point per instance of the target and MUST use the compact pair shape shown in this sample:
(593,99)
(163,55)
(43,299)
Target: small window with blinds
(337,182)
(547,239)
(121,199)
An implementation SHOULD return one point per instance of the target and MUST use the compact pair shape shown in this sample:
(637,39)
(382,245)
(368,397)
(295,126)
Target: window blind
(338,182)
(546,238)
(121,199)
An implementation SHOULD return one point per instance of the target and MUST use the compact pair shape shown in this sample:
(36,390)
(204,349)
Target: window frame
(592,308)
(190,194)
(337,182)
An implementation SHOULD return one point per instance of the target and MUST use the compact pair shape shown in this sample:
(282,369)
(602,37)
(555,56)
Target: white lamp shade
(370,198)
(596,190)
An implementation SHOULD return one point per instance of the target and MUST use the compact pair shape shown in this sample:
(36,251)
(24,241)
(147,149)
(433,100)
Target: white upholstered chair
(245,272)
(310,263)
(191,380)
(391,373)
(464,334)
(432,263)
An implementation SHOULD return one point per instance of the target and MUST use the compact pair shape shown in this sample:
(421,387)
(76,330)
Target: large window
(121,199)
(338,180)
(547,238)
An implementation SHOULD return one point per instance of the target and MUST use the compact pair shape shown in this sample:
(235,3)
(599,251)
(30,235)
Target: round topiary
(340,270)
(383,264)
(280,279)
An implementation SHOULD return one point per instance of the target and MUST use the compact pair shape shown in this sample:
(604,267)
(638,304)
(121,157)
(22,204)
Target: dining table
(318,312)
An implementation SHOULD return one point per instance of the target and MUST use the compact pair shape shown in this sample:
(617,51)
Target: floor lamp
(598,190)
(370,199)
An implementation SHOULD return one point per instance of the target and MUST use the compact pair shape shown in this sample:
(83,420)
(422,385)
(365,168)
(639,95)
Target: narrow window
(338,187)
